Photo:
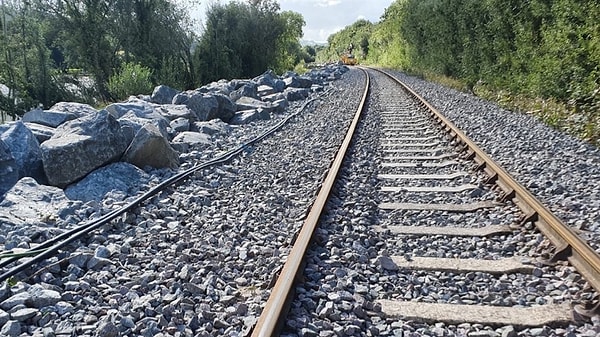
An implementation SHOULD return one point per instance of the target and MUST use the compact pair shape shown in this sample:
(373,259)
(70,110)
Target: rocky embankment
(53,160)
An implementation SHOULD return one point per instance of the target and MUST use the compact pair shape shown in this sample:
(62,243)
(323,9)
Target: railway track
(414,231)
(424,234)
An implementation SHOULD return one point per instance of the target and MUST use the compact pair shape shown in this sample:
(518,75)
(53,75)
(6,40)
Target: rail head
(579,253)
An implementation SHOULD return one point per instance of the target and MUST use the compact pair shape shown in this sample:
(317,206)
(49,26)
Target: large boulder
(298,82)
(226,108)
(238,83)
(265,90)
(136,122)
(203,105)
(181,98)
(271,79)
(222,87)
(327,74)
(296,94)
(25,149)
(173,112)
(317,88)
(180,125)
(248,116)
(273,97)
(82,145)
(210,106)
(118,178)
(136,106)
(246,89)
(212,127)
(28,203)
(163,94)
(48,117)
(151,148)
(41,132)
(281,105)
(183,141)
(79,109)
(9,171)
(249,103)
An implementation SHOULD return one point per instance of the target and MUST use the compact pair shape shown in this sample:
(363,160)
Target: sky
(325,17)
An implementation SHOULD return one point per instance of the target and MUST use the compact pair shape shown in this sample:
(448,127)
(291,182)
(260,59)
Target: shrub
(132,79)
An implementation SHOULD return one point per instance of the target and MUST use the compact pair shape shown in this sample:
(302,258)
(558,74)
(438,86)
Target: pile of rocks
(65,146)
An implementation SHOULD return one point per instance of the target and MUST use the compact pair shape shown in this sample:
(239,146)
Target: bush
(132,79)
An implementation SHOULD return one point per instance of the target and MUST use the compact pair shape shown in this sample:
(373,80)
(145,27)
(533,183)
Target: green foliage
(536,47)
(357,35)
(157,35)
(523,49)
(289,51)
(301,68)
(243,40)
(132,79)
(387,46)
(48,47)
(309,54)
(25,66)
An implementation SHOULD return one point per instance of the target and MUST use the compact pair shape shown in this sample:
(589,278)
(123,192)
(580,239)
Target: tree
(355,35)
(158,35)
(25,65)
(245,39)
(88,43)
(289,50)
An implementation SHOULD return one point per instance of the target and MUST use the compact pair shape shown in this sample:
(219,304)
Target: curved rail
(581,255)
(50,247)
(274,310)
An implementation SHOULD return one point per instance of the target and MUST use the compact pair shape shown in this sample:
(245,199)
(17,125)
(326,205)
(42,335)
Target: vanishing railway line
(432,181)
(414,230)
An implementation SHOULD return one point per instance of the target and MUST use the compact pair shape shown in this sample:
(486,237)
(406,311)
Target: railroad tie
(429,189)
(550,314)
(458,208)
(422,158)
(423,176)
(447,231)
(414,165)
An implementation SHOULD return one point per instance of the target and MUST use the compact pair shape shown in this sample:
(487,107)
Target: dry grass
(568,117)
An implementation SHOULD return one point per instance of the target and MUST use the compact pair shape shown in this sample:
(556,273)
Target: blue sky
(325,17)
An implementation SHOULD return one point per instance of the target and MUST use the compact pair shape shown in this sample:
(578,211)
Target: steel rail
(272,315)
(580,254)
(51,246)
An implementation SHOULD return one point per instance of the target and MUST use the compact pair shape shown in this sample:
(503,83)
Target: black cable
(53,245)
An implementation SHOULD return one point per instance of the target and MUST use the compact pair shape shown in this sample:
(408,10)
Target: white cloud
(320,35)
(327,3)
